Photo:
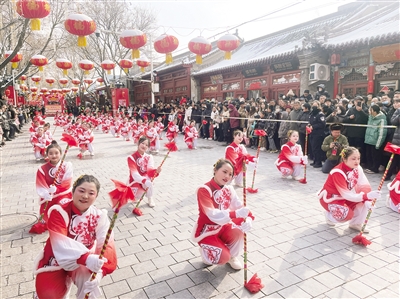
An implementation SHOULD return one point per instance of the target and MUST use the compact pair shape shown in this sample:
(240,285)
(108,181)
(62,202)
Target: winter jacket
(376,135)
(342,142)
(303,116)
(361,117)
(395,121)
(284,127)
(317,121)
(293,116)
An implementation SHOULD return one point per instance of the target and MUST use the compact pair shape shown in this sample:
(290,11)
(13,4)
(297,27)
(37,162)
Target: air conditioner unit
(319,72)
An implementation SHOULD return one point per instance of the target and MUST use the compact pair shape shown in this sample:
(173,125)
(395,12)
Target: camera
(359,104)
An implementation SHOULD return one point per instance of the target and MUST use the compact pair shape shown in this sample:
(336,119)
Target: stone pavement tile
(285,278)
(131,249)
(165,249)
(21,242)
(203,290)
(9,291)
(121,235)
(395,287)
(329,279)
(318,265)
(166,240)
(389,275)
(279,264)
(182,245)
(169,223)
(313,287)
(359,289)
(340,292)
(302,271)
(373,261)
(116,289)
(20,277)
(256,257)
(180,283)
(225,295)
(152,244)
(161,274)
(224,283)
(385,294)
(127,260)
(375,282)
(386,256)
(185,294)
(294,258)
(182,268)
(201,275)
(158,290)
(163,261)
(359,267)
(271,252)
(182,255)
(138,294)
(146,255)
(152,235)
(293,292)
(126,227)
(11,251)
(11,269)
(122,273)
(309,253)
(143,267)
(137,231)
(26,288)
(139,281)
(333,259)
(345,273)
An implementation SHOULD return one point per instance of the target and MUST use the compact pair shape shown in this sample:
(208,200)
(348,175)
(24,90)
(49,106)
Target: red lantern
(76,81)
(23,78)
(126,64)
(86,65)
(39,61)
(81,25)
(23,87)
(88,81)
(36,79)
(108,65)
(34,89)
(63,81)
(14,61)
(43,90)
(50,81)
(34,10)
(143,63)
(65,90)
(64,64)
(100,80)
(74,89)
(165,44)
(228,43)
(133,39)
(199,46)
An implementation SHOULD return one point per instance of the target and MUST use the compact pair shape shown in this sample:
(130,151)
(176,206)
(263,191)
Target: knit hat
(336,127)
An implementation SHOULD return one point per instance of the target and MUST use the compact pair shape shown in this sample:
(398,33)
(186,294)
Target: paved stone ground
(291,248)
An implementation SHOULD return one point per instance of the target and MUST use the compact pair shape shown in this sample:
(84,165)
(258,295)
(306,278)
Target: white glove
(255,160)
(52,189)
(46,197)
(374,194)
(190,135)
(305,160)
(41,145)
(247,225)
(148,184)
(94,264)
(242,212)
(93,287)
(368,204)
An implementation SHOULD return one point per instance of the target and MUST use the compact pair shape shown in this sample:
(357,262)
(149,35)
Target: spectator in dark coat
(317,124)
(234,122)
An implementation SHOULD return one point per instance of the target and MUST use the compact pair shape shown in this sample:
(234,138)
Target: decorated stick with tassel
(260,134)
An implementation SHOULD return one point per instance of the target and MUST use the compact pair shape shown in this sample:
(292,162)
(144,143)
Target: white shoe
(358,228)
(209,138)
(92,154)
(285,176)
(263,149)
(235,263)
(37,159)
(330,223)
(297,178)
(151,203)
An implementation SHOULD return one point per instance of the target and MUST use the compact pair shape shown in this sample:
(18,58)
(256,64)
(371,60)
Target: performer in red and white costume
(151,133)
(222,219)
(77,231)
(141,171)
(49,190)
(126,129)
(393,199)
(85,140)
(159,126)
(172,130)
(191,135)
(39,143)
(140,128)
(235,153)
(291,158)
(346,194)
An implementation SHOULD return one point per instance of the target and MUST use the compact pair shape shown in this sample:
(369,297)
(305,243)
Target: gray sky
(191,18)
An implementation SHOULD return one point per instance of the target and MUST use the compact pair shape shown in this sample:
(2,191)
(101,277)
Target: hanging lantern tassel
(135,53)
(142,69)
(65,72)
(14,65)
(108,72)
(126,71)
(199,60)
(168,58)
(228,55)
(40,68)
(37,83)
(35,24)
(82,41)
(86,72)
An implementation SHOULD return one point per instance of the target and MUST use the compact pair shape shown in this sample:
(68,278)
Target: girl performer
(151,133)
(234,153)
(77,231)
(172,130)
(222,219)
(393,199)
(40,143)
(85,139)
(346,194)
(191,135)
(54,192)
(291,159)
(159,126)
(141,171)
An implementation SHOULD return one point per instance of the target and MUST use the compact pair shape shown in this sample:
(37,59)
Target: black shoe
(388,178)
(8,139)
(319,165)
(312,164)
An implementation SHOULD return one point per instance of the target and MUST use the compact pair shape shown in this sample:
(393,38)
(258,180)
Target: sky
(212,19)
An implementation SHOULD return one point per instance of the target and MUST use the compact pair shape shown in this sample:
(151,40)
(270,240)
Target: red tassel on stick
(119,197)
(304,180)
(360,239)
(40,227)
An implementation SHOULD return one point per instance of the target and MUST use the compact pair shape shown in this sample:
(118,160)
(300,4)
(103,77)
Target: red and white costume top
(45,178)
(217,206)
(344,183)
(394,190)
(73,236)
(160,127)
(291,154)
(172,131)
(234,153)
(141,168)
(84,137)
(190,133)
